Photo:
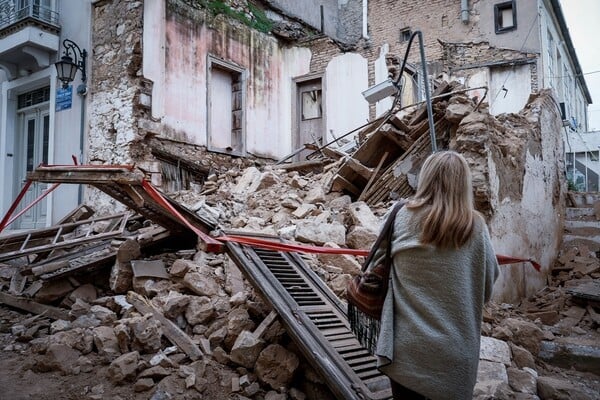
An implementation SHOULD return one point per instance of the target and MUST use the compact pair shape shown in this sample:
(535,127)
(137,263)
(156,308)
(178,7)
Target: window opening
(550,60)
(311,105)
(505,15)
(34,97)
(405,34)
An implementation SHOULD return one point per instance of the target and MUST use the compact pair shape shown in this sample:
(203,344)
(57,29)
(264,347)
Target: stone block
(345,262)
(361,215)
(276,366)
(201,284)
(360,237)
(522,381)
(311,232)
(106,342)
(199,310)
(53,290)
(494,350)
(491,377)
(124,368)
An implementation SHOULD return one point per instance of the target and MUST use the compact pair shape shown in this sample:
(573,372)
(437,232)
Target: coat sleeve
(397,232)
(492,271)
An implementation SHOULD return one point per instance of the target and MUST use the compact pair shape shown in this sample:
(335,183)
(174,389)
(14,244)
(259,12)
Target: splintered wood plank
(34,307)
(80,213)
(137,198)
(48,244)
(340,183)
(131,189)
(258,332)
(170,330)
(176,160)
(300,165)
(360,169)
(88,176)
(373,176)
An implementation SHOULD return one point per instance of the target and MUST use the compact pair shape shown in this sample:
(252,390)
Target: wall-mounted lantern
(67,67)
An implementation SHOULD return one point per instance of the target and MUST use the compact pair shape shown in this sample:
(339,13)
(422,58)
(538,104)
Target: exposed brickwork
(464,54)
(449,43)
(323,50)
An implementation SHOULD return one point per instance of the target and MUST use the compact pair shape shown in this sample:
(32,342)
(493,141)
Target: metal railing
(9,14)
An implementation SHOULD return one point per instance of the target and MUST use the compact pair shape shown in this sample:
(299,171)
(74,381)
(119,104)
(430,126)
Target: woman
(444,268)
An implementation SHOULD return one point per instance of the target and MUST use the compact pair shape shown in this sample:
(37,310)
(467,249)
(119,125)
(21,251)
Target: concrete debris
(196,327)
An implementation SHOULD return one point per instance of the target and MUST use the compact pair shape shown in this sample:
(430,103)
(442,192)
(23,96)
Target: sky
(583,21)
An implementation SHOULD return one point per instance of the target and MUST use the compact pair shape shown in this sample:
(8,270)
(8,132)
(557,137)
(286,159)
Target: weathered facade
(40,122)
(260,80)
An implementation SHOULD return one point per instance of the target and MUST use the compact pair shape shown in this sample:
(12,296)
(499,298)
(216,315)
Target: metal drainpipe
(82,92)
(464,11)
(365,19)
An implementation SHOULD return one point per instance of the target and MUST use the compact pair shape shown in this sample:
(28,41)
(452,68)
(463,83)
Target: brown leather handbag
(366,292)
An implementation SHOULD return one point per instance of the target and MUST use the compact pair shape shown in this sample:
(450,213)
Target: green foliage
(571,186)
(259,20)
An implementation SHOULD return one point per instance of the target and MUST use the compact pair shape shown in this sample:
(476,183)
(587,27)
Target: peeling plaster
(517,172)
(269,70)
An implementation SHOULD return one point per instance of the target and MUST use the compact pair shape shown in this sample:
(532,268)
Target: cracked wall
(518,174)
(116,86)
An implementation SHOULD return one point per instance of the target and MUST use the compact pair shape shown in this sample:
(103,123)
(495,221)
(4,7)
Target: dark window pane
(30,144)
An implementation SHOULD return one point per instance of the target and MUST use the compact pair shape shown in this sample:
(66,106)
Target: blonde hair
(445,194)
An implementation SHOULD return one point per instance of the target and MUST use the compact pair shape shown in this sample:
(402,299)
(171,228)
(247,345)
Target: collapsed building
(188,66)
(202,98)
(260,322)
(264,79)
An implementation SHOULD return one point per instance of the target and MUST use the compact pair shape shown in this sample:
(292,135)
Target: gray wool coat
(431,319)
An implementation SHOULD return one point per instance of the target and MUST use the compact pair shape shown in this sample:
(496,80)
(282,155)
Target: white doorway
(226,104)
(33,136)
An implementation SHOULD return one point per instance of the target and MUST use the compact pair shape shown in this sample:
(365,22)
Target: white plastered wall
(381,74)
(179,97)
(347,78)
(509,88)
(64,126)
(531,227)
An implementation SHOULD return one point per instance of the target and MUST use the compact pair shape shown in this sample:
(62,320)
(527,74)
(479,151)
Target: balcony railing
(9,14)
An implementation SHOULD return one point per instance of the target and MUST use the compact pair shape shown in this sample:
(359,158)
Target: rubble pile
(161,319)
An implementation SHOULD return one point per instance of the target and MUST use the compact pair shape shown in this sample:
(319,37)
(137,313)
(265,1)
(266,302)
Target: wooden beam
(300,165)
(373,176)
(170,330)
(34,307)
(398,123)
(340,183)
(85,176)
(360,169)
(258,332)
(181,162)
(137,198)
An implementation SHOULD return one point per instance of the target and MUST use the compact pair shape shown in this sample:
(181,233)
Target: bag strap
(386,233)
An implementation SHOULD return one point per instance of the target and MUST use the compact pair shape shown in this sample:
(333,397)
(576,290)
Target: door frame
(23,115)
(227,66)
(298,81)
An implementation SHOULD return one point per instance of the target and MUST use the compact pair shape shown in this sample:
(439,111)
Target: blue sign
(64,97)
